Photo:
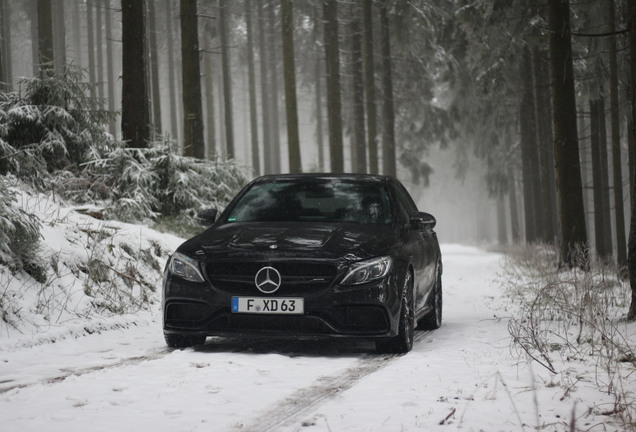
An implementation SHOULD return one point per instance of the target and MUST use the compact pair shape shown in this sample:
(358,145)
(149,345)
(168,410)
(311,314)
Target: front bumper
(365,311)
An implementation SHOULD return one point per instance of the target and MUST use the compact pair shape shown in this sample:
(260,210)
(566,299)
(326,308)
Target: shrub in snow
(125,178)
(50,124)
(19,234)
(100,274)
(567,318)
(52,136)
(145,183)
(187,183)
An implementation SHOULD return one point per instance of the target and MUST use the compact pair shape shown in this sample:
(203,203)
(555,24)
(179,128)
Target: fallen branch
(452,413)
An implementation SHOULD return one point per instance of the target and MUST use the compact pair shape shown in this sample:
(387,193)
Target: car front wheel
(403,342)
(433,319)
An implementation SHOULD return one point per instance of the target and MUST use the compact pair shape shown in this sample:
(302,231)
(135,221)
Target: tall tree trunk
(193,143)
(359,164)
(210,101)
(110,67)
(334,103)
(99,51)
(265,93)
(227,79)
(32,11)
(273,74)
(172,79)
(59,36)
(605,187)
(45,37)
(514,212)
(502,228)
(631,252)
(320,136)
(585,148)
(91,46)
(178,75)
(222,152)
(599,170)
(369,86)
(6,79)
(547,193)
(566,146)
(318,78)
(631,154)
(77,35)
(289,73)
(529,152)
(154,68)
(135,109)
(619,211)
(251,82)
(389,166)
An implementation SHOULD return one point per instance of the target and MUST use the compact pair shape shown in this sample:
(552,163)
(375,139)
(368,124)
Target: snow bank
(99,275)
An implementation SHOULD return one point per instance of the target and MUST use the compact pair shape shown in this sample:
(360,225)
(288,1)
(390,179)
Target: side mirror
(423,220)
(207,217)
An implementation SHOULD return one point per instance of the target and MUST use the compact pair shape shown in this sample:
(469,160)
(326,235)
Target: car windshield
(315,201)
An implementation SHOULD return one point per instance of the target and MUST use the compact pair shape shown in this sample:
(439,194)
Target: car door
(427,249)
(414,246)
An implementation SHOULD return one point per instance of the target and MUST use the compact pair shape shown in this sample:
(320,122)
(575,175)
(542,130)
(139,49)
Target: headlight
(367,271)
(185,267)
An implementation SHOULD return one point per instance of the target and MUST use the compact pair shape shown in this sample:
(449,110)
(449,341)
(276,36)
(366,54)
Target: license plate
(267,305)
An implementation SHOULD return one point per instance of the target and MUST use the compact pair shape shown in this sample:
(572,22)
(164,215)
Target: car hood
(353,241)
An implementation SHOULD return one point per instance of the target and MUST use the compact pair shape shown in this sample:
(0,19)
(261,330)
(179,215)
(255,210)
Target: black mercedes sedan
(308,255)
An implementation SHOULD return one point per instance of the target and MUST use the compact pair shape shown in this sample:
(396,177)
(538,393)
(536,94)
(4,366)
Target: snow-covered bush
(143,184)
(570,316)
(49,125)
(19,234)
(124,178)
(187,183)
(98,274)
(52,135)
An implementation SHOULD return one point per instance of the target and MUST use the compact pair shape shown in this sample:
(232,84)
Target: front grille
(299,325)
(358,320)
(296,277)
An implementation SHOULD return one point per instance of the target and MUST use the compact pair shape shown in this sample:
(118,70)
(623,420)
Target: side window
(406,198)
(405,203)
(412,208)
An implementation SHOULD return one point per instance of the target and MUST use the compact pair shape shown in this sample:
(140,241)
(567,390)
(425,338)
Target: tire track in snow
(67,373)
(326,388)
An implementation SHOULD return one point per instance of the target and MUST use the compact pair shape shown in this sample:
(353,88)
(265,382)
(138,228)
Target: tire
(433,319)
(179,341)
(403,342)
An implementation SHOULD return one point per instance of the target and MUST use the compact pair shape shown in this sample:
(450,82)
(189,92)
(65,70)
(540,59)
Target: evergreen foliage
(52,136)
(146,183)
(50,125)
(19,232)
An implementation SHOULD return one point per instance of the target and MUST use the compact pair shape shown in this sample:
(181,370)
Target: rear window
(315,201)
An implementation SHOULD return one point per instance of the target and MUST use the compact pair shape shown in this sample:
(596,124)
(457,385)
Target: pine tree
(135,111)
(389,166)
(45,37)
(289,73)
(334,104)
(566,147)
(227,78)
(193,143)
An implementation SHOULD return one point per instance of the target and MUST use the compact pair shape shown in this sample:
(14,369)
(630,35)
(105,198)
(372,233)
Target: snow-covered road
(462,376)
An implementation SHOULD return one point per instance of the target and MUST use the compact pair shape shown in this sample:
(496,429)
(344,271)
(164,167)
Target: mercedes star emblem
(267,280)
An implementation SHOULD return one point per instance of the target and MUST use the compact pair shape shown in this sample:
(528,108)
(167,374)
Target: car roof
(322,176)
